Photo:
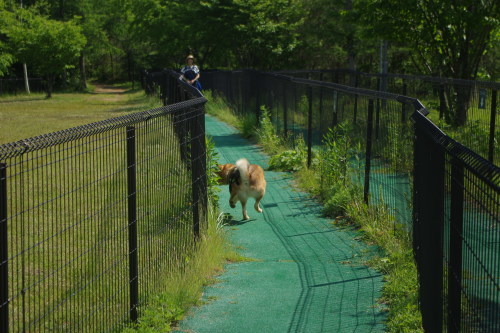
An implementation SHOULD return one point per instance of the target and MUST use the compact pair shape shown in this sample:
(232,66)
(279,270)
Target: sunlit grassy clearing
(25,116)
(69,222)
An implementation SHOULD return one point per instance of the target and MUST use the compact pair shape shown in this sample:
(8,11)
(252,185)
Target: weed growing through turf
(335,170)
(212,177)
(248,125)
(266,133)
(182,286)
(290,160)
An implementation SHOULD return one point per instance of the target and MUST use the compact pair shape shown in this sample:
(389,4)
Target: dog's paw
(232,204)
(246,217)
(257,208)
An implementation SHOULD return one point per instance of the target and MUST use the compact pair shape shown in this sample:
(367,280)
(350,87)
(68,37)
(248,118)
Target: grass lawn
(25,116)
(67,227)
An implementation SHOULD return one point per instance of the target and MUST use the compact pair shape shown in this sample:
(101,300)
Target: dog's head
(224,173)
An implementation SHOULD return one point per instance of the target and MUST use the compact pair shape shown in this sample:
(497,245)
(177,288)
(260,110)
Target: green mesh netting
(308,275)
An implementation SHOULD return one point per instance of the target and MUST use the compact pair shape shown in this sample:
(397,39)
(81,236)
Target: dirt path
(109,93)
(107,89)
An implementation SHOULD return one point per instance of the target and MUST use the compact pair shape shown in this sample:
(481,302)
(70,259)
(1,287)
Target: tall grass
(181,287)
(219,108)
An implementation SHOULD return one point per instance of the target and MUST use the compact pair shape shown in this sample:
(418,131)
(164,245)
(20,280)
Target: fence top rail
(175,74)
(482,168)
(20,147)
(436,79)
(352,90)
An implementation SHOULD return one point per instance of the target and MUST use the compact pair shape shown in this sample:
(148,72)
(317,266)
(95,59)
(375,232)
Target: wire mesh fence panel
(463,221)
(465,109)
(93,216)
(437,191)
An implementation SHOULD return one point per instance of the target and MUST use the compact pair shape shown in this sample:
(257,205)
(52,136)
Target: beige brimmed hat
(190,57)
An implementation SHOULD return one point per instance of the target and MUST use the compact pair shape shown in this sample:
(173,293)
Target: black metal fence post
(492,125)
(368,153)
(403,105)
(377,114)
(132,223)
(256,86)
(285,110)
(321,124)
(198,176)
(4,272)
(428,219)
(356,79)
(309,127)
(455,246)
(335,119)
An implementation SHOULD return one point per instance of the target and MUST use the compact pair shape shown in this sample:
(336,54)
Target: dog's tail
(243,165)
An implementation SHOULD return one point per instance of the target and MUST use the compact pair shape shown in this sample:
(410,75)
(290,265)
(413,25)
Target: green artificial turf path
(307,275)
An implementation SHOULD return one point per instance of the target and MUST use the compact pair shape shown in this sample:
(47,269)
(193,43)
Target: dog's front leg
(244,210)
(233,200)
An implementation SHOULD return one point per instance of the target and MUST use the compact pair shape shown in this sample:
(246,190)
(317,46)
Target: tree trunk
(112,67)
(351,54)
(384,65)
(462,101)
(26,82)
(83,74)
(50,85)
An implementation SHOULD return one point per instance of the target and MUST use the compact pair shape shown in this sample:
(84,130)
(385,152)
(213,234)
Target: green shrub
(266,133)
(212,177)
(290,160)
(337,203)
(248,124)
(335,167)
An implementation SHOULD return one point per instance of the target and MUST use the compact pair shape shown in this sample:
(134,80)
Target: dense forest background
(114,39)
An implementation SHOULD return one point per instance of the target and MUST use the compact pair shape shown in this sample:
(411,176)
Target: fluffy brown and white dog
(245,181)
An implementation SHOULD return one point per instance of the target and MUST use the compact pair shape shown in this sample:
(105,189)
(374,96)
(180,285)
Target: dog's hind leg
(257,204)
(233,199)
(244,209)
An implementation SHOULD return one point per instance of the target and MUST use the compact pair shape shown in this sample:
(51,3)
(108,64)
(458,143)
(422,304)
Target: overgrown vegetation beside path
(331,181)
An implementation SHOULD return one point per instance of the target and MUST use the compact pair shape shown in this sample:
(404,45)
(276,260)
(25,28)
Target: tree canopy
(112,39)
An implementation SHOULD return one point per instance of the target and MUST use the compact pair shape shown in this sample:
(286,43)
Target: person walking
(191,73)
